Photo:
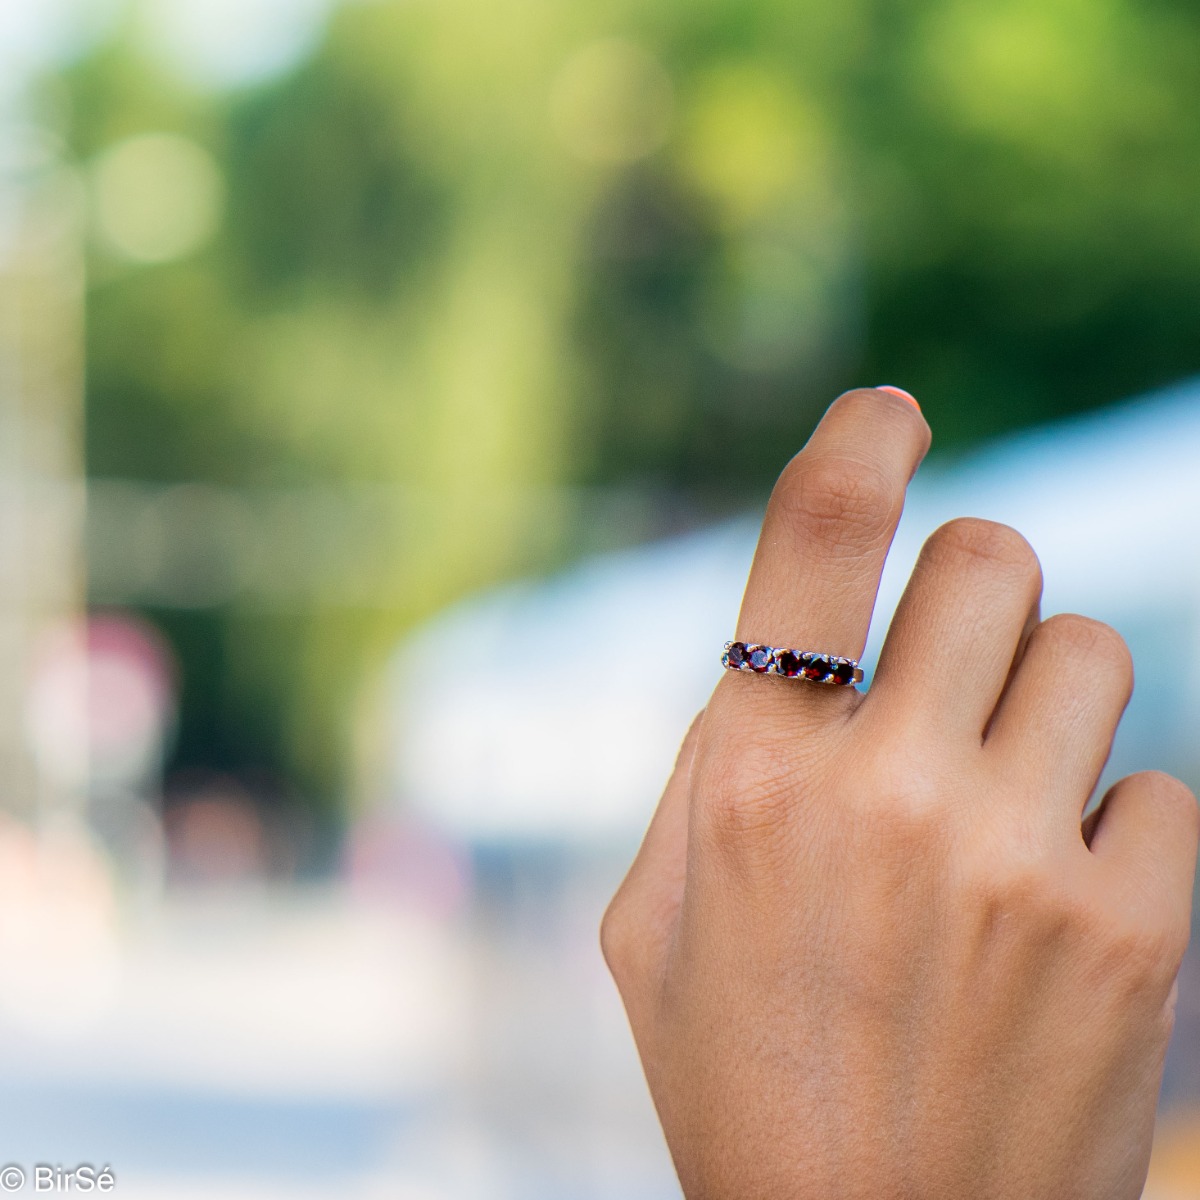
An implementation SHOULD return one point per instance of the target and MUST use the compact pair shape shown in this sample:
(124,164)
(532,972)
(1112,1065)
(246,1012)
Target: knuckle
(743,815)
(1176,803)
(1143,949)
(1139,941)
(618,935)
(748,817)
(903,795)
(1026,889)
(1085,636)
(990,543)
(1013,886)
(914,816)
(1130,949)
(830,500)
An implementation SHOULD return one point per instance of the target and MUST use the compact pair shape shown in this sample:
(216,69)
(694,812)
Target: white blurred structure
(553,711)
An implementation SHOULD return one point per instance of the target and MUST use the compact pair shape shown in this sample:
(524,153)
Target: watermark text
(54,1177)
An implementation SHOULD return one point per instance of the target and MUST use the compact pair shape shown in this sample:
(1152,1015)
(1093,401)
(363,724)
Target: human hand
(866,948)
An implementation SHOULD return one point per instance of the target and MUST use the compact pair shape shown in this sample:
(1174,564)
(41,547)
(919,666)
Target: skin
(866,948)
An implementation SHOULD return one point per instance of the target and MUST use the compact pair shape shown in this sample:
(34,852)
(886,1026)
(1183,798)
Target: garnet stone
(841,671)
(759,658)
(789,663)
(815,668)
(735,656)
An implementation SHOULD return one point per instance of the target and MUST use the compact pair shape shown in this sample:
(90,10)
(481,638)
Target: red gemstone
(735,656)
(789,663)
(816,668)
(841,672)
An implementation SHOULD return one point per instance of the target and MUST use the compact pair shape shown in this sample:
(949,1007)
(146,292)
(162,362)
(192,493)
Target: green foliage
(325,196)
(488,251)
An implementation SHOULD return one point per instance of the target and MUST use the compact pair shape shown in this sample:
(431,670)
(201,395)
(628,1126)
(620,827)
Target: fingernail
(901,393)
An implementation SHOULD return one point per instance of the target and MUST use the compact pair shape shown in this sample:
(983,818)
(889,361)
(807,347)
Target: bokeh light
(157,197)
(612,102)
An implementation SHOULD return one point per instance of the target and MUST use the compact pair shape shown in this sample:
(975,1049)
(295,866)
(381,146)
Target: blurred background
(373,375)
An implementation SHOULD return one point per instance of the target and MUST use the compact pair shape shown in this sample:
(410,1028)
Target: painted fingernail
(886,387)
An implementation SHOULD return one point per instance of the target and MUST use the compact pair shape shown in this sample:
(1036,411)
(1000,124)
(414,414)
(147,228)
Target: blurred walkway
(307,1043)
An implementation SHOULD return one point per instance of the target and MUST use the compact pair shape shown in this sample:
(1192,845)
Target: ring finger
(1057,719)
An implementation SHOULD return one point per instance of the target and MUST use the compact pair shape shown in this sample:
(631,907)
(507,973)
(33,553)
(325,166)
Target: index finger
(829,525)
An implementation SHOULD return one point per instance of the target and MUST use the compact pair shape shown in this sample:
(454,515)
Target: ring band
(791,664)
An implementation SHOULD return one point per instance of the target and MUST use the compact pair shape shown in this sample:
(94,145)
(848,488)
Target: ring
(791,664)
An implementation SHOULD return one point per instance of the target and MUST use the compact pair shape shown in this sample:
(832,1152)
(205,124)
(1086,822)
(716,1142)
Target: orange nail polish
(885,387)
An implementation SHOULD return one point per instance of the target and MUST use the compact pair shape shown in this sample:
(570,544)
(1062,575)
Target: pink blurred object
(215,835)
(101,702)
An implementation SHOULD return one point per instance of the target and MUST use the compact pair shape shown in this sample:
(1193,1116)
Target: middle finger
(968,608)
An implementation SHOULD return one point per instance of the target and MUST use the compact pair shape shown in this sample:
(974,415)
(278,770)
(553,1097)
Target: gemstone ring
(791,664)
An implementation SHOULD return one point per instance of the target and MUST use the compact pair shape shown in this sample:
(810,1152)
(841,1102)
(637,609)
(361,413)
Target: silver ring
(811,665)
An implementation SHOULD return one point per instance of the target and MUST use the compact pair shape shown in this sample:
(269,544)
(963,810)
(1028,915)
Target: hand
(866,948)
